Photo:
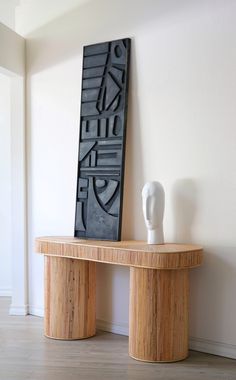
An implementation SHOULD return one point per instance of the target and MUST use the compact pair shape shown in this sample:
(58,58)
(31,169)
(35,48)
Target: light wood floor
(26,354)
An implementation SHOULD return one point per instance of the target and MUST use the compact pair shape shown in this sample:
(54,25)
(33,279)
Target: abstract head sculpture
(153,197)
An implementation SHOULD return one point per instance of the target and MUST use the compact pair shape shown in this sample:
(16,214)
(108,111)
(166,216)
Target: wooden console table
(159,292)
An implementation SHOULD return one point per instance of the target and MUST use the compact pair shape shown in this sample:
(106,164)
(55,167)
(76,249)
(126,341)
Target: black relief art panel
(102,140)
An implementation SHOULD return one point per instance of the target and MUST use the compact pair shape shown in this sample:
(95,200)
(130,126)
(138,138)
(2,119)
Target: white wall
(7,12)
(33,14)
(12,52)
(181,131)
(12,63)
(5,187)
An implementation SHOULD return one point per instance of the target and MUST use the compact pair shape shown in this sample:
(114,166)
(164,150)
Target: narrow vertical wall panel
(5,188)
(102,140)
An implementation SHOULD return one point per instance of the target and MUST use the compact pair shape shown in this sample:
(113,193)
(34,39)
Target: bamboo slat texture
(127,253)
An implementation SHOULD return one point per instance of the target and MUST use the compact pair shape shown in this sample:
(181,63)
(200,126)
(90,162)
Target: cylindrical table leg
(70,298)
(158,329)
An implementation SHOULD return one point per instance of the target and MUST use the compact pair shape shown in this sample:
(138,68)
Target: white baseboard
(212,347)
(196,344)
(116,328)
(5,292)
(38,311)
(19,310)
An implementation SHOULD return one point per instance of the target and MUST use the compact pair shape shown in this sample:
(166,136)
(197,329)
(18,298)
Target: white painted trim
(38,311)
(19,209)
(116,328)
(212,347)
(5,292)
(20,310)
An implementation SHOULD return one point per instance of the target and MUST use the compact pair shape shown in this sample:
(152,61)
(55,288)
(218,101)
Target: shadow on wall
(184,201)
(209,284)
(133,184)
(214,302)
(113,298)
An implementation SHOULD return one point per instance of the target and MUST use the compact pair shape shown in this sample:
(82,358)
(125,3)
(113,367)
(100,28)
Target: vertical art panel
(102,140)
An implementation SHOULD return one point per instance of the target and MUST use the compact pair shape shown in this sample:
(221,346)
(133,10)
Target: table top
(128,253)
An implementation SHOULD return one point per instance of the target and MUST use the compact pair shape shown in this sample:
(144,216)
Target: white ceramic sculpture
(153,197)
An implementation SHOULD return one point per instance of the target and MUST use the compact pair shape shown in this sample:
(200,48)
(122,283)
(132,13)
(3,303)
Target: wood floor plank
(25,354)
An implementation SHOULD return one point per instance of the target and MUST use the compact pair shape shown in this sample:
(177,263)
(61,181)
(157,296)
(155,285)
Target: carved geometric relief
(103,117)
